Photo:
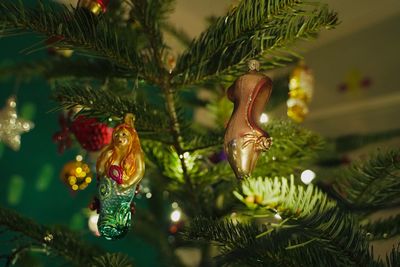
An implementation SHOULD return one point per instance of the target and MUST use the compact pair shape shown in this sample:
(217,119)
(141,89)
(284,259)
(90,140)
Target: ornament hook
(254,65)
(130,119)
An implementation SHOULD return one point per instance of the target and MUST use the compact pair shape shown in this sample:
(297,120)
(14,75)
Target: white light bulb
(307,176)
(148,195)
(264,118)
(175,215)
(277,216)
(92,223)
(175,205)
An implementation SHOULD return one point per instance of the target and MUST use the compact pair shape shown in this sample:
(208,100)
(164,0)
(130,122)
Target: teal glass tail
(115,213)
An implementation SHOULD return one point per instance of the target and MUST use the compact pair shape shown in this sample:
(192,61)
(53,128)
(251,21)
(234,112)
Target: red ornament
(94,6)
(54,50)
(90,133)
(103,4)
(63,137)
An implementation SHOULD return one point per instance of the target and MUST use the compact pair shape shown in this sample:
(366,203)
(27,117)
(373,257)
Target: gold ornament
(76,174)
(94,6)
(170,62)
(301,88)
(48,237)
(11,126)
(244,138)
(120,168)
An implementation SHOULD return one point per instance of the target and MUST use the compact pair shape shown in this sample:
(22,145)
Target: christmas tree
(123,72)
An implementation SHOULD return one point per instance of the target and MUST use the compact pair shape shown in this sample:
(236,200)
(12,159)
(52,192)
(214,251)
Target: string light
(148,195)
(264,118)
(184,155)
(175,216)
(277,216)
(174,205)
(79,158)
(307,176)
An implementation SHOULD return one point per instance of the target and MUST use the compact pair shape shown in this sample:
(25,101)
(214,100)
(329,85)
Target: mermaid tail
(115,213)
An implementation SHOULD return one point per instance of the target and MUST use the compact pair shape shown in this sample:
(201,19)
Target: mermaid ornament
(244,138)
(120,168)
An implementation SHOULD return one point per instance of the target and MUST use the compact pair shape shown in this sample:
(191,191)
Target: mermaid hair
(128,160)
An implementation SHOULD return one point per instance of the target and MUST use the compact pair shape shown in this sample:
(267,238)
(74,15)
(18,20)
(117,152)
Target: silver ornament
(11,127)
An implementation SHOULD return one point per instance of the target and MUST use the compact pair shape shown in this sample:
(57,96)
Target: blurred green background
(30,177)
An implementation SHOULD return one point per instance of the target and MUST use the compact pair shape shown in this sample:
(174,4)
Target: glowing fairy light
(184,155)
(175,216)
(307,176)
(264,118)
(277,216)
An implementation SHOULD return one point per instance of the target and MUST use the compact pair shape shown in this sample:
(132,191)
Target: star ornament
(11,127)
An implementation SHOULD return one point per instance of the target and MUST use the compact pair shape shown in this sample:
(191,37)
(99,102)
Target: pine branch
(372,184)
(314,231)
(383,229)
(60,69)
(194,141)
(291,143)
(150,14)
(240,245)
(112,259)
(20,253)
(292,148)
(151,221)
(333,156)
(58,240)
(228,43)
(309,213)
(75,30)
(104,104)
(167,162)
(393,259)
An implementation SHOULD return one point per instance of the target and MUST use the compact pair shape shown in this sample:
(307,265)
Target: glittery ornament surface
(90,133)
(11,127)
(76,175)
(115,209)
(120,168)
(301,89)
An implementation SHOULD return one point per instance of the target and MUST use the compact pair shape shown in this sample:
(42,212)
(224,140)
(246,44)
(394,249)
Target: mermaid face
(122,138)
